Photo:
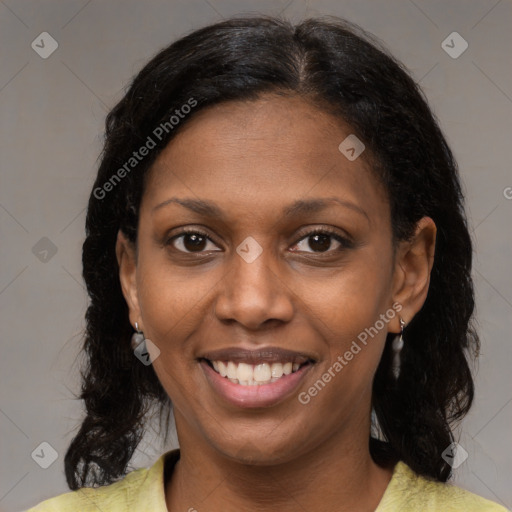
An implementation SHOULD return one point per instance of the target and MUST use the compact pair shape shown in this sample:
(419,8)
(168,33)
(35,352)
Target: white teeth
(222,368)
(276,370)
(262,373)
(244,372)
(231,371)
(254,375)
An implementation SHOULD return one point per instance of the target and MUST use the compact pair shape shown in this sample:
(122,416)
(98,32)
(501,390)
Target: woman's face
(253,291)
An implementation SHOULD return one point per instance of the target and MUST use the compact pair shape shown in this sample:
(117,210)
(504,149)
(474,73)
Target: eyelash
(344,242)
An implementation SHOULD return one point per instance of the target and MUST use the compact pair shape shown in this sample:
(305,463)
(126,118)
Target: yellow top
(142,490)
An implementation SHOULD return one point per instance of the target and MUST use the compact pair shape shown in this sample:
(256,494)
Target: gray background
(52,113)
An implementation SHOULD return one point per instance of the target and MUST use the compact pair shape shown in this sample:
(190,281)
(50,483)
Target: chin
(262,450)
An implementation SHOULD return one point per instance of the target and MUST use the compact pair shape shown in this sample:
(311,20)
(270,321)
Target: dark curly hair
(341,69)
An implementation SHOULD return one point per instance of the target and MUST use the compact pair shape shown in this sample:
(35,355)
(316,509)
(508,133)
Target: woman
(276,245)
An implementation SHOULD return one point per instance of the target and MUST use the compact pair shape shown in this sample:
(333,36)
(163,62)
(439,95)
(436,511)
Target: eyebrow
(301,206)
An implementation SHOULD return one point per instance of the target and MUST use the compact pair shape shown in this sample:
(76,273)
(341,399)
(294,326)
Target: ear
(126,259)
(413,263)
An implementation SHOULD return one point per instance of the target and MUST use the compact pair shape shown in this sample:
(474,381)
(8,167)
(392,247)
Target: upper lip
(257,356)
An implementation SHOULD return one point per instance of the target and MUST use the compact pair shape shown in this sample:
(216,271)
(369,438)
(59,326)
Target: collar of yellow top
(406,491)
(152,488)
(148,493)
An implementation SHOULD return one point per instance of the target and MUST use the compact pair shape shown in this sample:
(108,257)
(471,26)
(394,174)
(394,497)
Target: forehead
(265,152)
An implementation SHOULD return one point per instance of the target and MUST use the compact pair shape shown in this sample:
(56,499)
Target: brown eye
(191,242)
(321,241)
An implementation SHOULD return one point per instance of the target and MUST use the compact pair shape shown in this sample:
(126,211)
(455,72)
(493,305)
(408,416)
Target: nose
(253,293)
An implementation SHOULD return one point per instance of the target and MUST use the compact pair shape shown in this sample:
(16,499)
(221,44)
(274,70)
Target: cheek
(347,310)
(352,298)
(172,311)
(172,300)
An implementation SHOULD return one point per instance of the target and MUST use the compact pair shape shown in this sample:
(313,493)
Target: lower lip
(263,395)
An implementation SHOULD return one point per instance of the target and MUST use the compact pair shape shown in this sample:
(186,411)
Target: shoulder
(136,491)
(409,491)
(113,497)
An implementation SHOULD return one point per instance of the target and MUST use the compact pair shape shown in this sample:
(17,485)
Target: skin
(253,159)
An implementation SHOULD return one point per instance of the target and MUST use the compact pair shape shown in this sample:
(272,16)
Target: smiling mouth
(255,374)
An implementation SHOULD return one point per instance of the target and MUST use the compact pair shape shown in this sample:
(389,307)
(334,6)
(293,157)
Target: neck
(336,476)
